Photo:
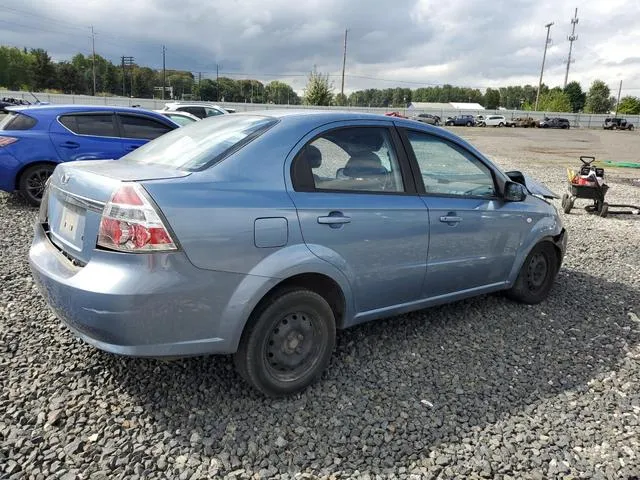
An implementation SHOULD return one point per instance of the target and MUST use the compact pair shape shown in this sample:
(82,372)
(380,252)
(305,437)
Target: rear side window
(202,144)
(134,126)
(17,121)
(197,111)
(97,125)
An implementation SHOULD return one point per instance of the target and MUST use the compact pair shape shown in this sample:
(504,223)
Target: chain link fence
(577,120)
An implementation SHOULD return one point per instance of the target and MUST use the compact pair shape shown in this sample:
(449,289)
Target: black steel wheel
(536,276)
(33,181)
(288,343)
(568,205)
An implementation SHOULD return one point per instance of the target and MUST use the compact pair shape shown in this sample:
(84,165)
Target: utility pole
(344,63)
(199,82)
(164,71)
(572,38)
(126,62)
(544,57)
(93,47)
(217,83)
(618,102)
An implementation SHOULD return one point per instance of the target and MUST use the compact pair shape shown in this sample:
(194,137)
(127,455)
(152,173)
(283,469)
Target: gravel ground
(481,388)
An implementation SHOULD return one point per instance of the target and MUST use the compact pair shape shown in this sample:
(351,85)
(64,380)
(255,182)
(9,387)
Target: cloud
(405,43)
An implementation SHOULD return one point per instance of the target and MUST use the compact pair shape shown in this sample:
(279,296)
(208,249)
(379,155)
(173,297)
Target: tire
(615,127)
(301,323)
(32,181)
(631,128)
(501,124)
(604,210)
(536,276)
(565,198)
(513,125)
(568,205)
(469,124)
(448,124)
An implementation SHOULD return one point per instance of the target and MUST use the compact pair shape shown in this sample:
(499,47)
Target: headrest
(312,156)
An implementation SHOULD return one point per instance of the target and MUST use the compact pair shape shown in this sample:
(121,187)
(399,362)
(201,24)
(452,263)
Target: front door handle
(334,218)
(450,219)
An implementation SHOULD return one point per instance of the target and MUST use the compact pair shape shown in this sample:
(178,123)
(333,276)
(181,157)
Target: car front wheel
(288,342)
(33,181)
(536,276)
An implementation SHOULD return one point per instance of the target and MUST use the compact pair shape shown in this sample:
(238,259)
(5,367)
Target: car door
(474,234)
(358,210)
(86,136)
(138,129)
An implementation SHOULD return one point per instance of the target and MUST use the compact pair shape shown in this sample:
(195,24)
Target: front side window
(448,169)
(352,159)
(134,126)
(212,112)
(95,124)
(197,111)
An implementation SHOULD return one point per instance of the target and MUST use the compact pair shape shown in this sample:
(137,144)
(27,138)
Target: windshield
(202,144)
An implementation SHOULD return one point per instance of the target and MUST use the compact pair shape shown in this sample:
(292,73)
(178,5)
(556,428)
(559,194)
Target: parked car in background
(200,110)
(555,122)
(461,120)
(427,118)
(259,234)
(524,122)
(493,121)
(617,124)
(11,102)
(34,139)
(181,118)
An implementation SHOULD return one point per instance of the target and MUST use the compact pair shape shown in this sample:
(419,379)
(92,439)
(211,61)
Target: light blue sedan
(260,234)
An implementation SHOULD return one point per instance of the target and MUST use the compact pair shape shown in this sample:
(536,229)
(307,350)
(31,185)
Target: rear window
(17,121)
(202,144)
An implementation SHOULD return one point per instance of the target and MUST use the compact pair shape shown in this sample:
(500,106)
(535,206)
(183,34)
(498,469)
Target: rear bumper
(140,305)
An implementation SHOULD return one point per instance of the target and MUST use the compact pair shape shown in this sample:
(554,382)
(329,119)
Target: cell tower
(572,38)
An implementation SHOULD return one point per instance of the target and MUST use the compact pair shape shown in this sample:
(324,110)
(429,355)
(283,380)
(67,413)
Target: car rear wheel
(536,276)
(33,181)
(469,124)
(630,127)
(501,124)
(288,343)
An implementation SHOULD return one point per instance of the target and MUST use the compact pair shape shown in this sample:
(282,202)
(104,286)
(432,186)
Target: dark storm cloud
(475,43)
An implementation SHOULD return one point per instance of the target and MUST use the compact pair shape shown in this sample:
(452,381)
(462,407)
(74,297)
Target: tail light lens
(4,141)
(130,223)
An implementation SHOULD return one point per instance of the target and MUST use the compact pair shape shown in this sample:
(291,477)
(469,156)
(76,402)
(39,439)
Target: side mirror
(514,192)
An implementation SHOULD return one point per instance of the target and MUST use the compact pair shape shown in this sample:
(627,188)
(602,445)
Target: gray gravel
(484,388)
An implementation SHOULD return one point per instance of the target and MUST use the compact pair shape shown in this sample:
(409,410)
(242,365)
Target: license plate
(69,223)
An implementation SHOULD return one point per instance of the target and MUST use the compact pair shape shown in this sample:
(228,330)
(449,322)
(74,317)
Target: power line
(51,19)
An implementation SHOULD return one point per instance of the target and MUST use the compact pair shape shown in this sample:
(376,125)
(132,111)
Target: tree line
(34,70)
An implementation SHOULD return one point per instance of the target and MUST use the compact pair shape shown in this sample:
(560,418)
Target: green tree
(340,100)
(629,105)
(319,91)
(598,98)
(491,99)
(554,100)
(576,96)
(68,79)
(280,93)
(43,70)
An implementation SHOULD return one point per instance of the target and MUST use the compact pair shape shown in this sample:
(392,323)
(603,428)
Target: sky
(390,43)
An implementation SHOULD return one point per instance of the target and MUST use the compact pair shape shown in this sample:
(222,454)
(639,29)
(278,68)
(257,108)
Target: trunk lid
(77,194)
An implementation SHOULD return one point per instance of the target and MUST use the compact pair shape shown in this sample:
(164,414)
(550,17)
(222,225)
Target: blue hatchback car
(260,234)
(34,139)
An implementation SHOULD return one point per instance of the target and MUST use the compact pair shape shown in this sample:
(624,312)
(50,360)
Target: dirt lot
(484,388)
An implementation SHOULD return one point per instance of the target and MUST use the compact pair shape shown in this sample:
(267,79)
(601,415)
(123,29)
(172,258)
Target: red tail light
(130,223)
(4,141)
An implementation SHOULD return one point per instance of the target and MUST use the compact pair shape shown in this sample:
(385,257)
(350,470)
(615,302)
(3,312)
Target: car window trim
(140,115)
(301,186)
(78,114)
(417,174)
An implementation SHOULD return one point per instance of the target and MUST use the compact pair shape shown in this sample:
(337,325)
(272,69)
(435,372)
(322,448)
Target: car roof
(60,109)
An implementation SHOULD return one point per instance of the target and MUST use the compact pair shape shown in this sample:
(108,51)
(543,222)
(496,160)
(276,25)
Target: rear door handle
(450,219)
(334,219)
(69,145)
